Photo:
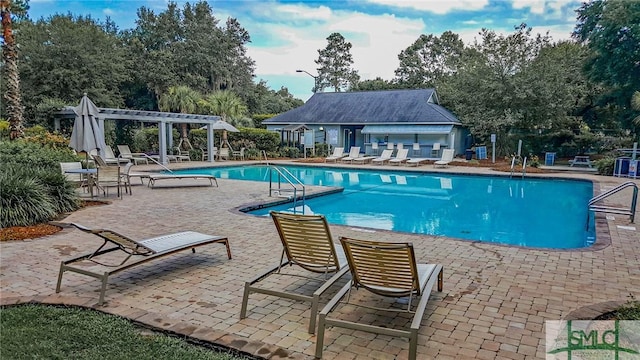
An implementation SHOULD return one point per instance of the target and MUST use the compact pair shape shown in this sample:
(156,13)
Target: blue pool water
(548,213)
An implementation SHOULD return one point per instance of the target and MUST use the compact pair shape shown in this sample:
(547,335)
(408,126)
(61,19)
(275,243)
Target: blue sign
(481,152)
(633,168)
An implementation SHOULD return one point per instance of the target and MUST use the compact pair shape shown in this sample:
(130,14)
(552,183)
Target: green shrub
(605,166)
(25,200)
(34,154)
(33,188)
(290,152)
(263,139)
(322,150)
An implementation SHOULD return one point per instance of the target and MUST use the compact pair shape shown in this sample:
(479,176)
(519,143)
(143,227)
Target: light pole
(315,79)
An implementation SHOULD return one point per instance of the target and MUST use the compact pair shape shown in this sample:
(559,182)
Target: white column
(162,140)
(210,143)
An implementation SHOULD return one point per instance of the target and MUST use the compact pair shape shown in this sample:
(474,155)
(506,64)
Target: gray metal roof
(146,116)
(369,107)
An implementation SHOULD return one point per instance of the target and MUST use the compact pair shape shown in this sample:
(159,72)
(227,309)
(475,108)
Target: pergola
(163,119)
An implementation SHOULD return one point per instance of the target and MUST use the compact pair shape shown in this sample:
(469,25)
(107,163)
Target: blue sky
(286,35)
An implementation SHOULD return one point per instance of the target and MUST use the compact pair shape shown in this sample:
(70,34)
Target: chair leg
(320,336)
(245,299)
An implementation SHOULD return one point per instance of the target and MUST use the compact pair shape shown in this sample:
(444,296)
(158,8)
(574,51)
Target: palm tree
(180,99)
(225,104)
(12,95)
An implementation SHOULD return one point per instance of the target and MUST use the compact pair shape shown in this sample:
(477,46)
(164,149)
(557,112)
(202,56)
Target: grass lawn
(50,332)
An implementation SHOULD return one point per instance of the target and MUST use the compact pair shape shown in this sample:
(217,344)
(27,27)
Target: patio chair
(338,153)
(238,154)
(109,176)
(78,179)
(126,153)
(383,158)
(401,157)
(435,150)
(416,161)
(307,243)
(363,159)
(134,252)
(447,157)
(181,155)
(205,153)
(386,269)
(354,153)
(224,153)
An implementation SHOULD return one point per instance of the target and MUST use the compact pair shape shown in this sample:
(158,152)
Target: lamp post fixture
(315,79)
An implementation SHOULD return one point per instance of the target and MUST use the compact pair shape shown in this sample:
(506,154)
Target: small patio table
(581,160)
(89,173)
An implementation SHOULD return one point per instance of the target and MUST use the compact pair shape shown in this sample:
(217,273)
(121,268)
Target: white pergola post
(210,142)
(162,137)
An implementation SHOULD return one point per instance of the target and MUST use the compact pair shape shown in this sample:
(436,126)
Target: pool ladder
(283,183)
(631,211)
(513,166)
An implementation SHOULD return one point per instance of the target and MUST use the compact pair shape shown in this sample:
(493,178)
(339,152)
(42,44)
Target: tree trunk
(11,74)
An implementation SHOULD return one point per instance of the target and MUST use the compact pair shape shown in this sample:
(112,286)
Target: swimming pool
(544,213)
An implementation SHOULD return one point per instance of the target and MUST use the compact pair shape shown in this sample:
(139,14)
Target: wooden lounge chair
(134,252)
(307,243)
(386,269)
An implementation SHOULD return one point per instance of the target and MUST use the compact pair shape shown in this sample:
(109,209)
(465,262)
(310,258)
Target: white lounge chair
(384,157)
(338,153)
(125,153)
(447,157)
(401,157)
(354,153)
(132,252)
(363,159)
(416,161)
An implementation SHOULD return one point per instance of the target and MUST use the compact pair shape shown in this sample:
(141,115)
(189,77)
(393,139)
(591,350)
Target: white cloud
(377,40)
(435,6)
(535,6)
(108,12)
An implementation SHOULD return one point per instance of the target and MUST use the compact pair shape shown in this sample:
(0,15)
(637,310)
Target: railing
(631,211)
(285,177)
(513,166)
(157,162)
(264,155)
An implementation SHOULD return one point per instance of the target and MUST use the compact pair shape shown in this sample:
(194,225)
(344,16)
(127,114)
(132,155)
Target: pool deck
(494,304)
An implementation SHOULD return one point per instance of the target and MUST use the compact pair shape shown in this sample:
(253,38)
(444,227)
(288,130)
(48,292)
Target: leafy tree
(611,30)
(497,91)
(189,47)
(12,94)
(335,63)
(376,84)
(180,99)
(66,56)
(429,60)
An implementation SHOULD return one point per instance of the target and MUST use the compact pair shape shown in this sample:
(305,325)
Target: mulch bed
(38,230)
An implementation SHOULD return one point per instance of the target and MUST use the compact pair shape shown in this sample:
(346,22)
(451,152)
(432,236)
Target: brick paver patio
(494,304)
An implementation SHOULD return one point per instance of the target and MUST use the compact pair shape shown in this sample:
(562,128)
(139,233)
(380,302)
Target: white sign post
(493,148)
